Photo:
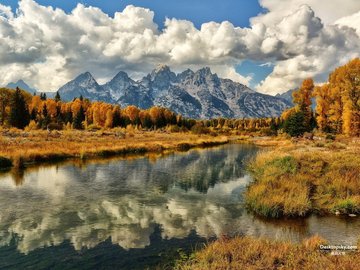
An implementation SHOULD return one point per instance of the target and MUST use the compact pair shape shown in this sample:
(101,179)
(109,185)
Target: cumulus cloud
(352,21)
(329,12)
(47,47)
(306,48)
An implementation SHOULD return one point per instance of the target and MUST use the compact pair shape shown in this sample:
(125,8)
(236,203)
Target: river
(138,212)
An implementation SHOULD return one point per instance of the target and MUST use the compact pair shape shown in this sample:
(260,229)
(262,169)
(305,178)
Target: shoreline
(108,145)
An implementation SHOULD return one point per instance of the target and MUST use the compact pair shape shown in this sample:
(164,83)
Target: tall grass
(19,147)
(248,253)
(295,182)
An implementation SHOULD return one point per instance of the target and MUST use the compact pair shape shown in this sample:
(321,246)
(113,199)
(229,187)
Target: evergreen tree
(68,117)
(57,97)
(45,118)
(19,113)
(116,117)
(294,125)
(43,96)
(79,118)
(33,114)
(44,111)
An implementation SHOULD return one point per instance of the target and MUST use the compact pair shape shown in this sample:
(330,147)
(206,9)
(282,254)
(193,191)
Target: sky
(269,45)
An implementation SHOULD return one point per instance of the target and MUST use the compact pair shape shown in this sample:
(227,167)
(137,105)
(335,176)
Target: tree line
(337,111)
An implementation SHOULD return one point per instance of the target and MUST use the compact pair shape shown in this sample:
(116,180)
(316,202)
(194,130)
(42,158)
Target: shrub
(285,164)
(5,163)
(93,127)
(347,206)
(32,126)
(199,129)
(174,129)
(330,137)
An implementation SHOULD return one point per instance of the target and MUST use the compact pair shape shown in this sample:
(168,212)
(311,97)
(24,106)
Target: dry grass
(39,146)
(248,253)
(306,177)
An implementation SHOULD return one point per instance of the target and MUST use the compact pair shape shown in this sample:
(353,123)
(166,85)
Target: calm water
(137,213)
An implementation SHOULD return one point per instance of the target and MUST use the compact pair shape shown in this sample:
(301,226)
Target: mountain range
(199,94)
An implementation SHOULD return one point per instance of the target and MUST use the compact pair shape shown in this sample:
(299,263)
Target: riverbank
(250,253)
(303,177)
(19,148)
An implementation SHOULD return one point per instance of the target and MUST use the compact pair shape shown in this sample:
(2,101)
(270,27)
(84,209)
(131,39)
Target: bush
(32,126)
(285,164)
(5,163)
(174,129)
(268,132)
(330,137)
(93,127)
(199,129)
(347,206)
(55,126)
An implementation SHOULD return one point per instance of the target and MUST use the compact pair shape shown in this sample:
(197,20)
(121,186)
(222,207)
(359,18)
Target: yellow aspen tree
(351,98)
(302,99)
(323,102)
(109,119)
(133,113)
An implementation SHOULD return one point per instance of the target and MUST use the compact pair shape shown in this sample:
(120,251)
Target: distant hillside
(287,95)
(22,85)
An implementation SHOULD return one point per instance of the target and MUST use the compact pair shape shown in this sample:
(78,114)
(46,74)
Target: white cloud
(351,21)
(47,47)
(308,49)
(329,11)
(5,11)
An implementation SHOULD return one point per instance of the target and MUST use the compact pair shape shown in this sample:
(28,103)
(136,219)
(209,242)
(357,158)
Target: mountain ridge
(200,94)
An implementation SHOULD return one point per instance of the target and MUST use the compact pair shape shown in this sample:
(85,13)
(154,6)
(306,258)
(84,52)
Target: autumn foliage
(338,101)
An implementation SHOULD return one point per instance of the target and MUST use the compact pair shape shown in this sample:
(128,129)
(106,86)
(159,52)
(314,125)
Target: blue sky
(198,11)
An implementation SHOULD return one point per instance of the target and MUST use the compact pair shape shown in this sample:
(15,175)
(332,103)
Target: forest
(337,111)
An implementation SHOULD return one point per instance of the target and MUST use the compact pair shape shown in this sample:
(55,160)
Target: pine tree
(294,125)
(19,113)
(43,96)
(116,116)
(33,114)
(44,111)
(57,97)
(79,118)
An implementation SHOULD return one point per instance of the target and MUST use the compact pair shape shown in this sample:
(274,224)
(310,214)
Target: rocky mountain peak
(162,77)
(121,76)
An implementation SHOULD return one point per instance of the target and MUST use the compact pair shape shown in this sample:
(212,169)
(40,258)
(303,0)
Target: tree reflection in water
(199,192)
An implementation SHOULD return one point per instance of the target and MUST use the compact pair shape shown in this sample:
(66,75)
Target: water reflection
(126,200)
